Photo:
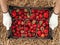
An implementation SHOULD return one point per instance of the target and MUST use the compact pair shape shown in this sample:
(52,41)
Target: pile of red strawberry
(33,23)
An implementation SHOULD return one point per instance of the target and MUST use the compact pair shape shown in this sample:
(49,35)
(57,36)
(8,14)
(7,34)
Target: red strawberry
(47,22)
(22,28)
(13,13)
(19,22)
(38,26)
(42,35)
(26,28)
(34,25)
(46,34)
(20,12)
(33,11)
(32,31)
(13,30)
(40,16)
(19,35)
(26,35)
(12,27)
(32,16)
(46,31)
(31,27)
(46,15)
(39,33)
(26,32)
(41,11)
(30,35)
(15,34)
(29,23)
(47,27)
(16,17)
(17,29)
(25,17)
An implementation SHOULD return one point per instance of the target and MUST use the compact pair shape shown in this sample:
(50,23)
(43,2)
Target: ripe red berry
(26,35)
(38,26)
(39,33)
(40,16)
(46,31)
(13,13)
(19,22)
(13,30)
(42,35)
(17,29)
(46,35)
(47,27)
(32,10)
(33,31)
(34,25)
(15,34)
(32,16)
(46,22)
(41,11)
(30,35)
(29,23)
(18,35)
(26,28)
(46,15)
(20,12)
(12,27)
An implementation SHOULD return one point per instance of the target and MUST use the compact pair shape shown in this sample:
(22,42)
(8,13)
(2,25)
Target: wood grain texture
(34,3)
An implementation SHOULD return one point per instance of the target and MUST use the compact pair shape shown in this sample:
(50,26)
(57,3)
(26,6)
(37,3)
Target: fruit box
(30,22)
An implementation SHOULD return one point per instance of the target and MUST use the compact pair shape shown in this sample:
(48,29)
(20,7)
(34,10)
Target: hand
(53,22)
(7,21)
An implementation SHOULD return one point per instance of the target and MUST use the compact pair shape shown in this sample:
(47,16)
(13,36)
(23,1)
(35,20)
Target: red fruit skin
(47,22)
(13,30)
(12,27)
(44,24)
(22,28)
(46,15)
(30,35)
(20,12)
(32,17)
(15,34)
(25,17)
(47,27)
(32,11)
(18,35)
(41,11)
(46,31)
(29,23)
(42,35)
(13,13)
(34,25)
(19,22)
(46,35)
(38,26)
(39,33)
(40,16)
(17,29)
(31,27)
(26,28)
(26,35)
(16,17)
(33,31)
